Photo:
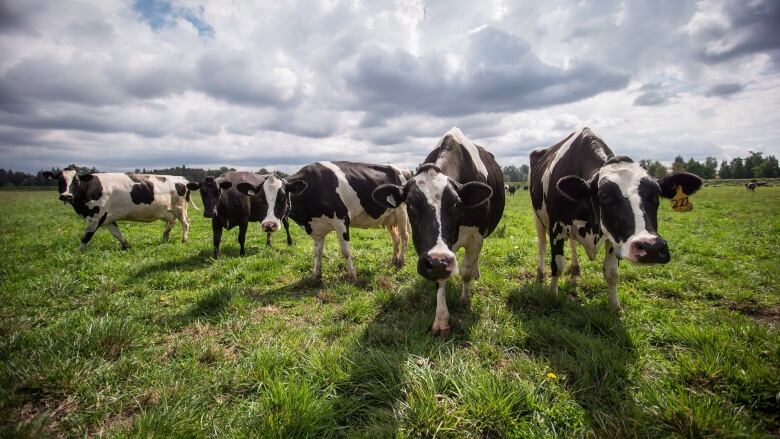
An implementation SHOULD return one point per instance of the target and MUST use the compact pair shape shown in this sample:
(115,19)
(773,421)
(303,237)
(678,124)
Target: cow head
(210,191)
(68,180)
(435,204)
(273,192)
(625,199)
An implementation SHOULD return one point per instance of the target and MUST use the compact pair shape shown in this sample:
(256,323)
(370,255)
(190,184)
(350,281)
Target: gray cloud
(725,89)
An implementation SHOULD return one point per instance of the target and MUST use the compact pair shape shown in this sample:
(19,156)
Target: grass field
(163,341)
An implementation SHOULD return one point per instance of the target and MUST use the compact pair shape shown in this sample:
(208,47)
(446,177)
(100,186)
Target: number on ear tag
(680,201)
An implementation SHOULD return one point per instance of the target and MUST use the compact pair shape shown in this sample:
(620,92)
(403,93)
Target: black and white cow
(512,190)
(105,198)
(583,193)
(228,208)
(329,197)
(455,200)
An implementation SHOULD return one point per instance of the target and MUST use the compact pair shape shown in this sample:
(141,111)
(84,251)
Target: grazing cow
(582,192)
(512,190)
(754,184)
(329,197)
(228,208)
(105,198)
(454,201)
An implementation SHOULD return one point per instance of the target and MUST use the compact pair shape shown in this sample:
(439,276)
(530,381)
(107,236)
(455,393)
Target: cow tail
(191,201)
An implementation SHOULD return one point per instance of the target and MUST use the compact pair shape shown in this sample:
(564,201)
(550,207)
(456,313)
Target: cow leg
(574,271)
(557,262)
(319,246)
(89,231)
(402,224)
(168,227)
(114,229)
(393,229)
(286,224)
(469,269)
(441,324)
(541,244)
(242,238)
(185,224)
(611,275)
(342,230)
(216,232)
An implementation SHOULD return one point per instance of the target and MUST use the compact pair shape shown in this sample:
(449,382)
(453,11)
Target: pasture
(161,340)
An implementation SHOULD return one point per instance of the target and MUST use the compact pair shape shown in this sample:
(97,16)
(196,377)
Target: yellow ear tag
(680,201)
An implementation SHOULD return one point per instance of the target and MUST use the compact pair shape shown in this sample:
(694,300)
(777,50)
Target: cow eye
(604,197)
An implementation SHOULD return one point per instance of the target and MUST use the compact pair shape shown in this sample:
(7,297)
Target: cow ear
(474,194)
(389,195)
(85,177)
(296,187)
(50,176)
(574,188)
(247,189)
(690,183)
(193,186)
(224,185)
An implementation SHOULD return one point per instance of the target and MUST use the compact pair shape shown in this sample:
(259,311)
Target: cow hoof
(352,277)
(574,271)
(440,331)
(398,263)
(615,308)
(539,276)
(125,246)
(465,300)
(216,255)
(289,243)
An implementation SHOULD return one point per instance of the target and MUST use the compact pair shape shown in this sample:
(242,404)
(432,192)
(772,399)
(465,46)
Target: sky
(121,85)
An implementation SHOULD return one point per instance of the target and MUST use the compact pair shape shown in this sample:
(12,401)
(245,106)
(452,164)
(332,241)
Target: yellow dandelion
(552,376)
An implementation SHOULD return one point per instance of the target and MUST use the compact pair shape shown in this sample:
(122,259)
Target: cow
(754,184)
(455,200)
(329,197)
(582,192)
(228,208)
(105,198)
(512,190)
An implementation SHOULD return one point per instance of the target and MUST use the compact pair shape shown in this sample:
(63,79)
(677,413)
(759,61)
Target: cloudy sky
(156,83)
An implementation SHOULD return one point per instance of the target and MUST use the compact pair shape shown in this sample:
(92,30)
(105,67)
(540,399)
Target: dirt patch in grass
(768,316)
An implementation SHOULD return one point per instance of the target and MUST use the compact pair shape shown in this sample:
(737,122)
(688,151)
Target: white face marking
(461,138)
(68,175)
(432,184)
(271,188)
(627,176)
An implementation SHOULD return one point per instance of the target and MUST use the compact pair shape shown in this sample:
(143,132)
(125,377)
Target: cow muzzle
(270,226)
(649,250)
(66,198)
(436,266)
(209,213)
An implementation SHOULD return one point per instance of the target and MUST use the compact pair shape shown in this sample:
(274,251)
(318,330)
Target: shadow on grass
(191,263)
(587,346)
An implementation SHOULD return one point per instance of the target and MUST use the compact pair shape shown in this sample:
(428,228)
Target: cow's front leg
(611,275)
(319,246)
(393,229)
(185,225)
(114,229)
(402,224)
(346,251)
(216,233)
(441,324)
(469,270)
(541,244)
(557,262)
(574,271)
(89,232)
(242,238)
(286,224)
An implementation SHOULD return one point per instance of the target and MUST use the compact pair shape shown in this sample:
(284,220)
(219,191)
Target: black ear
(247,189)
(573,187)
(50,176)
(690,183)
(296,187)
(85,177)
(225,185)
(474,194)
(389,195)
(193,186)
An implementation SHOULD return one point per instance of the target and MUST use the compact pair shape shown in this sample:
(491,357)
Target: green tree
(678,164)
(725,171)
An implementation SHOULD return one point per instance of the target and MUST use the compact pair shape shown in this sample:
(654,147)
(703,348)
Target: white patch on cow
(358,217)
(558,155)
(271,188)
(627,176)
(469,146)
(432,184)
(589,241)
(68,175)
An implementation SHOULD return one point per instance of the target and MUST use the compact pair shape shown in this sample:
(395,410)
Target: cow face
(626,199)
(68,181)
(274,193)
(210,192)
(435,204)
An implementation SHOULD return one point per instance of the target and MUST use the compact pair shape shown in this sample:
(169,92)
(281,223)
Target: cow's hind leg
(574,271)
(441,323)
(342,230)
(469,269)
(242,238)
(184,218)
(286,224)
(541,244)
(557,260)
(114,229)
(319,246)
(393,229)
(611,275)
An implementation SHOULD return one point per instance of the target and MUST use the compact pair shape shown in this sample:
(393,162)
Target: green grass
(163,341)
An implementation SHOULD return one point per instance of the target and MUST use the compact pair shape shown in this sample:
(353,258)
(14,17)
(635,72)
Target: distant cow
(104,198)
(454,201)
(329,197)
(228,208)
(582,192)
(754,184)
(512,190)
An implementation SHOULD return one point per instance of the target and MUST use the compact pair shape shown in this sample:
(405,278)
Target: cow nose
(436,266)
(651,250)
(66,197)
(208,213)
(270,226)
